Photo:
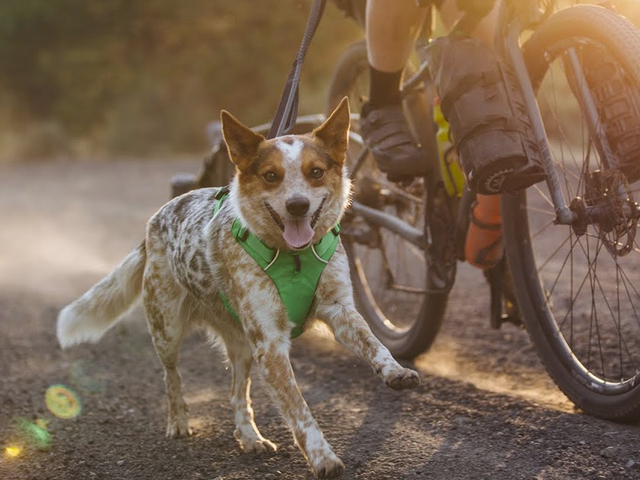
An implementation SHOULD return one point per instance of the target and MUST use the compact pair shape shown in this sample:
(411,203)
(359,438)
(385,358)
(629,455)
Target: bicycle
(576,295)
(404,241)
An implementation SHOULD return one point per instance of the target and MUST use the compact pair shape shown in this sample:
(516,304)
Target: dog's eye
(316,173)
(270,177)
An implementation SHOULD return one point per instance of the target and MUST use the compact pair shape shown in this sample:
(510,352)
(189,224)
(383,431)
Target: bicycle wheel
(390,275)
(577,286)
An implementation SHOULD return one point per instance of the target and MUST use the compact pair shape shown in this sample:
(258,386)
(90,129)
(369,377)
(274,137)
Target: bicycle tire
(353,63)
(590,371)
(415,338)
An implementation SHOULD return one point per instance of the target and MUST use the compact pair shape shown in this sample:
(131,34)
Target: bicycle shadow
(451,429)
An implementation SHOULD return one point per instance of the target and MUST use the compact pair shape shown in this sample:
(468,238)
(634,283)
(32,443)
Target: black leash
(287,112)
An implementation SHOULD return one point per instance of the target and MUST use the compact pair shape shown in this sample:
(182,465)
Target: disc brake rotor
(609,194)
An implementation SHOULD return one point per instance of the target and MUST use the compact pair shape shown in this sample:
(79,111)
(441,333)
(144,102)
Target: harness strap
(220,197)
(228,307)
(295,274)
(262,254)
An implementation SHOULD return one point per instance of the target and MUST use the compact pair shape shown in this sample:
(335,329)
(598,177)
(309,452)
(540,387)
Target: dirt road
(485,409)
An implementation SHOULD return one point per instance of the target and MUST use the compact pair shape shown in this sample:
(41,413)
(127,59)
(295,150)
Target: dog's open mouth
(297,232)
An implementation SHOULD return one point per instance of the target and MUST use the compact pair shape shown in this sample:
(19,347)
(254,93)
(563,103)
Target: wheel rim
(358,88)
(390,271)
(588,276)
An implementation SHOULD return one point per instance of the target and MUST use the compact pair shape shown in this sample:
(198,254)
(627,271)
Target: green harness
(295,273)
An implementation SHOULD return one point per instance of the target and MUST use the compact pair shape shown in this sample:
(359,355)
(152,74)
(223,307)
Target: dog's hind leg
(164,304)
(247,433)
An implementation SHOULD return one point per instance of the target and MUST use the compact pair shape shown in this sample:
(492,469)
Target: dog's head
(291,190)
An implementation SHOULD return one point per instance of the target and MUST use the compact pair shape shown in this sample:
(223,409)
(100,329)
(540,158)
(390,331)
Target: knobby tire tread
(622,39)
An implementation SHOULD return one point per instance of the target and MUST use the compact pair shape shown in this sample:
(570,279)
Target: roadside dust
(485,409)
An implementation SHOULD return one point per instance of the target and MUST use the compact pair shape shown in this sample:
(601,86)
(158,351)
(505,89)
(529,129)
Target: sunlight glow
(13,451)
(87,377)
(35,433)
(62,402)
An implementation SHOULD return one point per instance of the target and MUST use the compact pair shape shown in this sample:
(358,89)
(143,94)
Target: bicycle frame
(508,44)
(563,275)
(513,54)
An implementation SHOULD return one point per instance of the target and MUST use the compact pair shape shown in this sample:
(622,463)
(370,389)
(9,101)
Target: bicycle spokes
(589,270)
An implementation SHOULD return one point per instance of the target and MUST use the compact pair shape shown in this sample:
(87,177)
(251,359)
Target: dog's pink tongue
(298,232)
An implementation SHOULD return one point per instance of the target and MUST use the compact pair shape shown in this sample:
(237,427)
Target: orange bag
(484,247)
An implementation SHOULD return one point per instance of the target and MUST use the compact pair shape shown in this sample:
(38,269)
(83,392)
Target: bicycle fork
(577,214)
(513,54)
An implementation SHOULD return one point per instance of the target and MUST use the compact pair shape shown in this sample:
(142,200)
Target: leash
(287,112)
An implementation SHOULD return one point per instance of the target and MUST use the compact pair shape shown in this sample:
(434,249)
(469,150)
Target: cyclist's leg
(392,29)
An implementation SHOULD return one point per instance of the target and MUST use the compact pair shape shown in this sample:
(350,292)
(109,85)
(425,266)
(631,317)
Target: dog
(192,270)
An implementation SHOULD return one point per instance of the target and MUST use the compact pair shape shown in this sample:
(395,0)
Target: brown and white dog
(289,191)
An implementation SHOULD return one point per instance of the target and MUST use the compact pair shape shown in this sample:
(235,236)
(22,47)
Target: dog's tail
(91,315)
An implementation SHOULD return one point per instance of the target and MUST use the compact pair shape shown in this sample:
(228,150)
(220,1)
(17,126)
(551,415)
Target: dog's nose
(297,206)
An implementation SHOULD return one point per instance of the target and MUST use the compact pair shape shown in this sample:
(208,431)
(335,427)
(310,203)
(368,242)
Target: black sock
(384,88)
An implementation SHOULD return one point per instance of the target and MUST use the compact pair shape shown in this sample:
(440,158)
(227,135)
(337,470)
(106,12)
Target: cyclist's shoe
(617,101)
(386,133)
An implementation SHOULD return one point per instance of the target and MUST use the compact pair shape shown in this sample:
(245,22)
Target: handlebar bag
(481,100)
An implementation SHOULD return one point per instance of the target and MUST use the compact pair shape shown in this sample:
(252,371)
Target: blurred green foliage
(145,76)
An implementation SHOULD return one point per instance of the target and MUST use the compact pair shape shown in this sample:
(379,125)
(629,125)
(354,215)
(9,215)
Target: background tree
(145,76)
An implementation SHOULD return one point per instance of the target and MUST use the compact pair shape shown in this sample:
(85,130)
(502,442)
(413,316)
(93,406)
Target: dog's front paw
(258,446)
(403,379)
(178,428)
(254,444)
(329,468)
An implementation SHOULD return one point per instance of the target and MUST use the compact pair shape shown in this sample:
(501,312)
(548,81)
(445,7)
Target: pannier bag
(482,102)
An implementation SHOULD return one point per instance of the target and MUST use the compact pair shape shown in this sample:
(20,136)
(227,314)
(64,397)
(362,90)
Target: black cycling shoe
(386,132)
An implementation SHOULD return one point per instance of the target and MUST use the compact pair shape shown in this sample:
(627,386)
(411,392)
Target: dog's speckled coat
(189,256)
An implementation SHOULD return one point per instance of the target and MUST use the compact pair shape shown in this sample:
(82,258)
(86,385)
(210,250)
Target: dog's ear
(242,142)
(334,132)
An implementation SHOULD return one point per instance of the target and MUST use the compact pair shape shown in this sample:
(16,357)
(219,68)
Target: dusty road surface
(485,409)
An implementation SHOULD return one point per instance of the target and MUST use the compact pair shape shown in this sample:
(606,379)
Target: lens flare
(87,377)
(13,451)
(35,433)
(62,402)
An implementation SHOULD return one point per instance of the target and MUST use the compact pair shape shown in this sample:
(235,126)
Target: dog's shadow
(352,403)
(356,411)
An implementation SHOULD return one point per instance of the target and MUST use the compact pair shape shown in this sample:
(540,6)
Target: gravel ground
(485,409)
